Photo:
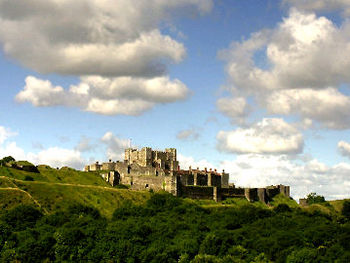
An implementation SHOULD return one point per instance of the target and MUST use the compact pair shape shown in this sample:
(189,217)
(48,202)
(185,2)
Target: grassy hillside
(63,175)
(53,189)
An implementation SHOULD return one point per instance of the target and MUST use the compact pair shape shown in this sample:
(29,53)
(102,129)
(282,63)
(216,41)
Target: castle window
(129,169)
(156,173)
(146,186)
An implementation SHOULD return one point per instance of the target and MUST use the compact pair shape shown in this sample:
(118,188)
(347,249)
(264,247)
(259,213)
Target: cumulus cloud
(344,148)
(256,170)
(321,5)
(11,149)
(54,156)
(108,96)
(270,136)
(109,38)
(304,56)
(328,106)
(57,157)
(41,93)
(235,108)
(303,51)
(115,146)
(186,161)
(189,134)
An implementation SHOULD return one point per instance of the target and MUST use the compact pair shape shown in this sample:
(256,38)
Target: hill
(65,215)
(55,189)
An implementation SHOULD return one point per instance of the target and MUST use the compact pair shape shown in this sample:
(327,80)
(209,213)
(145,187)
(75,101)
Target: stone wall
(197,192)
(166,183)
(159,170)
(224,179)
(231,193)
(272,191)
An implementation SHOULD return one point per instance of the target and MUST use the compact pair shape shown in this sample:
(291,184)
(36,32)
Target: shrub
(346,209)
(22,216)
(313,198)
(83,210)
(281,208)
(8,159)
(28,178)
(163,201)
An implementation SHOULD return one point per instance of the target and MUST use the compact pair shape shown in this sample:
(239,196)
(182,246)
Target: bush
(346,209)
(7,159)
(83,210)
(163,201)
(312,198)
(22,216)
(282,208)
(28,178)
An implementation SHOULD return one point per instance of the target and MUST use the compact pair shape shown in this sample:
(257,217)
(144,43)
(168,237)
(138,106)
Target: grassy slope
(54,189)
(63,175)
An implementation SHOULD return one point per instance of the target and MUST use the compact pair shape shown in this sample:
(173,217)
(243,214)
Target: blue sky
(258,88)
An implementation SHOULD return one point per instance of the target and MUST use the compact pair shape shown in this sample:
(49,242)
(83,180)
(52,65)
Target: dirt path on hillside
(28,194)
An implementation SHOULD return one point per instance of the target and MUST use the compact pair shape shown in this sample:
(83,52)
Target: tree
(313,198)
(346,209)
(7,159)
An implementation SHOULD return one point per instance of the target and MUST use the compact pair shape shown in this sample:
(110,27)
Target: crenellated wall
(146,169)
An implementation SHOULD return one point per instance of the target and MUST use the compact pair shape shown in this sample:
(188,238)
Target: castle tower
(171,154)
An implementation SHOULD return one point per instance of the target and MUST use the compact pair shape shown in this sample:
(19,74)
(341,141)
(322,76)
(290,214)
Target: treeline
(169,229)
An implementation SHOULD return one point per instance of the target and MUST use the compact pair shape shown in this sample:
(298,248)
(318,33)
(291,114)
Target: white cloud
(305,56)
(329,107)
(255,170)
(5,133)
(235,108)
(321,5)
(54,156)
(189,134)
(186,161)
(84,145)
(109,96)
(115,146)
(116,107)
(57,157)
(11,149)
(344,148)
(110,38)
(270,136)
(304,51)
(41,93)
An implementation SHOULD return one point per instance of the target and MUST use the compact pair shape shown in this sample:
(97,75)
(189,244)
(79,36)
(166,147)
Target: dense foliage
(7,159)
(313,198)
(169,229)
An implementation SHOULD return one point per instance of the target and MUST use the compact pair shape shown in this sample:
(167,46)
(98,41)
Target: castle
(160,170)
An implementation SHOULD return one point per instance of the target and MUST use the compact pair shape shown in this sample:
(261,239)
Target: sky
(258,88)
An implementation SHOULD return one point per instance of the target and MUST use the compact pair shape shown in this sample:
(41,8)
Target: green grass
(338,204)
(56,189)
(63,175)
(282,199)
(55,196)
(10,198)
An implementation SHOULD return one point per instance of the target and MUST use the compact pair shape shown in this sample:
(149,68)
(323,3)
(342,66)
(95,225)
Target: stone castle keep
(160,170)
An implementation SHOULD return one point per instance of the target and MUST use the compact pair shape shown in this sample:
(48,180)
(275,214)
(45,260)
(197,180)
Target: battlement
(148,157)
(160,170)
